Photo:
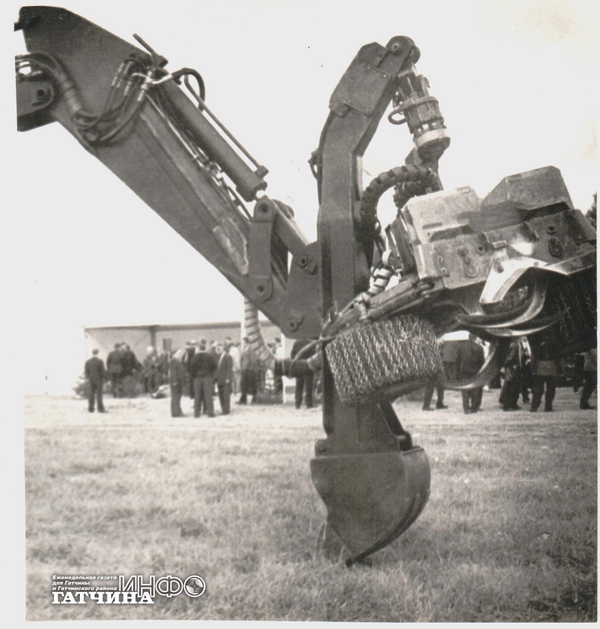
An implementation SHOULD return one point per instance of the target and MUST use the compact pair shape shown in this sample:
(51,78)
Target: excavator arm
(520,262)
(125,108)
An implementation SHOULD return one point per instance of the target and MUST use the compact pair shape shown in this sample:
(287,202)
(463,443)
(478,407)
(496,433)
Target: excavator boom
(124,107)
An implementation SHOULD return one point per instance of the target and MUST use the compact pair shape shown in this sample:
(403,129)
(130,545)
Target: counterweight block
(371,498)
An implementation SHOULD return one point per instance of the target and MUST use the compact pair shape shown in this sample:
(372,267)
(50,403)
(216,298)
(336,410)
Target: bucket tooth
(371,498)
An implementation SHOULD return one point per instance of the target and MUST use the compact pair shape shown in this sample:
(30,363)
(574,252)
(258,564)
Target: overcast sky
(516,82)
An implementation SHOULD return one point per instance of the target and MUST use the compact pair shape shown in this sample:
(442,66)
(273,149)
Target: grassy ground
(509,533)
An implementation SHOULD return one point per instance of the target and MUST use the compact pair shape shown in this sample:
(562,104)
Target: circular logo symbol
(194,586)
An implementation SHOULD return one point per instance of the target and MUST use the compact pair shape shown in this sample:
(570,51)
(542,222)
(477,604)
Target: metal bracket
(259,249)
(33,100)
(469,267)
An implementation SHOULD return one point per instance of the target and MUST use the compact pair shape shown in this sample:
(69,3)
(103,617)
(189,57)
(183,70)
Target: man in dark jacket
(188,356)
(509,396)
(545,370)
(578,362)
(450,359)
(130,367)
(526,373)
(303,383)
(203,369)
(590,378)
(94,372)
(115,369)
(224,377)
(250,366)
(177,379)
(470,360)
(436,383)
(151,370)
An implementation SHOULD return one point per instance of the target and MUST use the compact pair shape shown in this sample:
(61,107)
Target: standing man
(234,352)
(190,350)
(435,384)
(203,370)
(177,378)
(151,370)
(162,374)
(115,370)
(94,372)
(224,377)
(215,349)
(470,359)
(526,370)
(511,389)
(130,366)
(544,372)
(250,373)
(278,379)
(590,378)
(303,383)
(578,362)
(449,358)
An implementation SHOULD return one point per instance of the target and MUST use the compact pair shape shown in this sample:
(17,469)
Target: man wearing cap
(203,369)
(94,372)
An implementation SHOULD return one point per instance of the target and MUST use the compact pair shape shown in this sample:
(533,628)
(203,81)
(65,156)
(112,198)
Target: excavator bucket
(373,480)
(371,498)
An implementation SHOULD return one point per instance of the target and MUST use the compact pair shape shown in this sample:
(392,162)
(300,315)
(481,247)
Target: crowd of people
(206,370)
(534,375)
(461,360)
(122,371)
(530,377)
(202,371)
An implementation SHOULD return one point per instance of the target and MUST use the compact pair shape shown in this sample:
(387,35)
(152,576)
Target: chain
(371,359)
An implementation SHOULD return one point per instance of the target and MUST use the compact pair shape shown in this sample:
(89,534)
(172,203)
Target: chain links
(372,358)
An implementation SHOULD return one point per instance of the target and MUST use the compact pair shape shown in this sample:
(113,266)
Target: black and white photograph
(301,311)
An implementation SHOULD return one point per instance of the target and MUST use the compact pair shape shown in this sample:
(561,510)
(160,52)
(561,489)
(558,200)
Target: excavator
(373,300)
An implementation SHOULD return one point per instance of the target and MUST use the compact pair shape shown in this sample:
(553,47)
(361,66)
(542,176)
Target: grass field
(509,533)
